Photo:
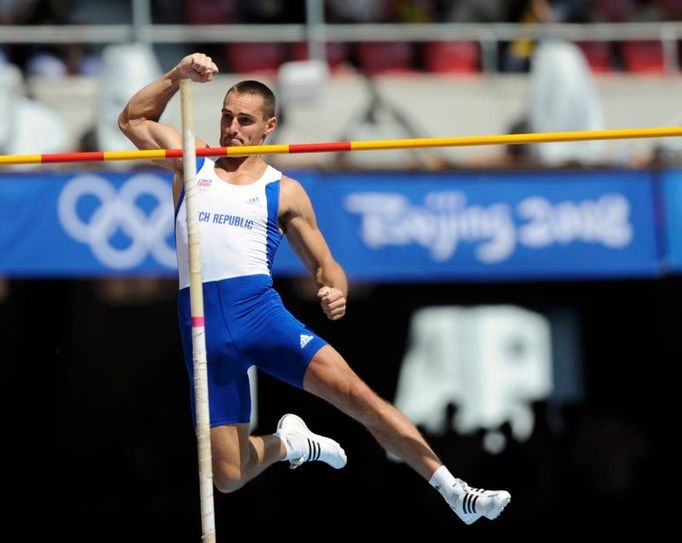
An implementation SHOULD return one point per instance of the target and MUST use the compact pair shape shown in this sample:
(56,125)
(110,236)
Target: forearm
(331,274)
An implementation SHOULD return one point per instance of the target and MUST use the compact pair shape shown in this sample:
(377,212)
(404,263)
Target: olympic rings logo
(118,212)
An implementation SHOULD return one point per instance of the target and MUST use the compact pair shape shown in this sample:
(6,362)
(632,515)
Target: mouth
(227,142)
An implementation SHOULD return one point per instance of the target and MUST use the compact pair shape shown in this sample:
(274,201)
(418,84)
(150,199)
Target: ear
(270,126)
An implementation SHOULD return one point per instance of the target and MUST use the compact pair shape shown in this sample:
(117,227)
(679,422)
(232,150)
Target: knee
(227,476)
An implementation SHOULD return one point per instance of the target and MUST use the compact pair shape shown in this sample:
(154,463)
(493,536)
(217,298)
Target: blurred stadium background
(520,303)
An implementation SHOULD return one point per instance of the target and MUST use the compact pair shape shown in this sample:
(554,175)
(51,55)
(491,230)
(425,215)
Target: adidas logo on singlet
(305,340)
(254,201)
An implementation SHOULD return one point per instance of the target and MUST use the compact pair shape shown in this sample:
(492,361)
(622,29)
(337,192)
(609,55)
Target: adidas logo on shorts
(305,340)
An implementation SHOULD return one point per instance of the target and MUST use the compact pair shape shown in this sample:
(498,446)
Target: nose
(233,126)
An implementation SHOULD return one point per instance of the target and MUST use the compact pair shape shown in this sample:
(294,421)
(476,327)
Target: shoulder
(291,189)
(293,200)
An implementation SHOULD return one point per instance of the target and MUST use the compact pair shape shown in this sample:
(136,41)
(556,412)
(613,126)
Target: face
(242,121)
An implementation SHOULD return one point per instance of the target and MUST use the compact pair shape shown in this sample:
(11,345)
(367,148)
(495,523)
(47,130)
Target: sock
(288,447)
(443,481)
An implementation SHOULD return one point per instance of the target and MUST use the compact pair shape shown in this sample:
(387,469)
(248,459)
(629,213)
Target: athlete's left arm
(297,220)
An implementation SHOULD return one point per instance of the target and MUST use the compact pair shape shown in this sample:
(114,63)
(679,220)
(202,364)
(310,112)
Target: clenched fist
(333,302)
(198,67)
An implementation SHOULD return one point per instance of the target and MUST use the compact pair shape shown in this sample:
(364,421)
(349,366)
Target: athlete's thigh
(330,377)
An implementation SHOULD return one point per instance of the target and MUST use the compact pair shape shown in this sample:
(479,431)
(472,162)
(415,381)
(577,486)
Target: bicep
(303,233)
(149,135)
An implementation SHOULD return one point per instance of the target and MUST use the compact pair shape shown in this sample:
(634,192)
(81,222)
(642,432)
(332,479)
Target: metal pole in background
(142,19)
(314,12)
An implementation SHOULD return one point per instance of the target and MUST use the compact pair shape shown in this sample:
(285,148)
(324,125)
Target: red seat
(384,57)
(337,53)
(643,56)
(255,58)
(597,54)
(206,12)
(451,57)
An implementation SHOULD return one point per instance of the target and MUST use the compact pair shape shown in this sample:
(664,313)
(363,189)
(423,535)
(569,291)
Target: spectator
(564,98)
(517,55)
(272,11)
(477,11)
(356,11)
(412,11)
(45,64)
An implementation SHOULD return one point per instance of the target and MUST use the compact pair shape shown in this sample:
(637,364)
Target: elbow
(124,122)
(132,128)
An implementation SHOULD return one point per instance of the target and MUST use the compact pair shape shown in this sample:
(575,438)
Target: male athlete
(245,208)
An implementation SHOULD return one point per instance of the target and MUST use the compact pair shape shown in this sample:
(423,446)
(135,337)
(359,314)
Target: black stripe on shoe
(469,503)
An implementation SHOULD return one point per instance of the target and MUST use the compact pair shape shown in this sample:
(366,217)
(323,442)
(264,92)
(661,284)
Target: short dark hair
(250,86)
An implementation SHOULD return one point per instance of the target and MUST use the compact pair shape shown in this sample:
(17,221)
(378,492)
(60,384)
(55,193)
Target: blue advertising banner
(390,227)
(87,224)
(421,227)
(672,201)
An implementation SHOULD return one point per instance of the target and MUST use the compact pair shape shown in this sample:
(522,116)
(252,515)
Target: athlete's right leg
(330,377)
(239,457)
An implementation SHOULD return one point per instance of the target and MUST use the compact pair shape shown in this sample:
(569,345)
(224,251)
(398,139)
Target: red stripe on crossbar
(174,153)
(319,147)
(211,151)
(69,157)
(197,321)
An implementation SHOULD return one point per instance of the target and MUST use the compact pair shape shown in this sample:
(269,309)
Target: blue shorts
(246,324)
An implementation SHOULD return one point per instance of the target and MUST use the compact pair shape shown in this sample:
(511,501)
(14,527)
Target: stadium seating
(385,57)
(255,58)
(597,54)
(451,57)
(643,56)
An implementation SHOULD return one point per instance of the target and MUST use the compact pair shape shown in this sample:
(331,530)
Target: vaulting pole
(203,425)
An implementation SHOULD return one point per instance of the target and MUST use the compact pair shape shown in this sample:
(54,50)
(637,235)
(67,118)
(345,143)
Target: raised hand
(198,67)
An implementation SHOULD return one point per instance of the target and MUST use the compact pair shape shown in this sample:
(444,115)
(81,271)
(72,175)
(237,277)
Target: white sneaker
(304,446)
(470,504)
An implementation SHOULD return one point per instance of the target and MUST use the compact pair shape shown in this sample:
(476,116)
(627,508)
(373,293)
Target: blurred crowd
(79,59)
(561,70)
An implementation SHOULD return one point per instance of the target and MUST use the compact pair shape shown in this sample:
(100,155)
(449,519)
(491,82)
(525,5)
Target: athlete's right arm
(139,120)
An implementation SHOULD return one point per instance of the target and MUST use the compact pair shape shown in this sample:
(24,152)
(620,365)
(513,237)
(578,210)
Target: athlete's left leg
(239,457)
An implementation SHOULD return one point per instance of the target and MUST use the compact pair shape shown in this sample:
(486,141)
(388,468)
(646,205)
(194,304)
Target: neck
(240,170)
(242,163)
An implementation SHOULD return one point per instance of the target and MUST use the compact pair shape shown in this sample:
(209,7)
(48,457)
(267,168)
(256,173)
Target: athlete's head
(248,114)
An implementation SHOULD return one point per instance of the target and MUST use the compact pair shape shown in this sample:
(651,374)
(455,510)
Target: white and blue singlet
(246,322)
